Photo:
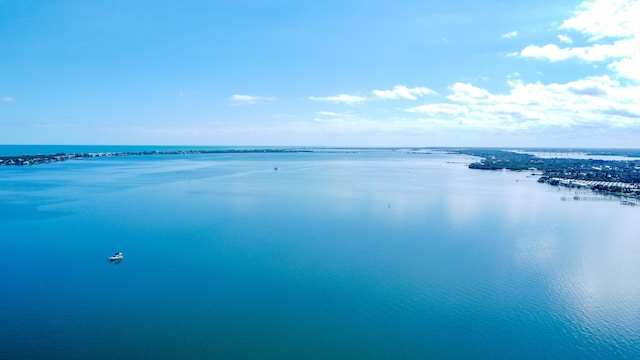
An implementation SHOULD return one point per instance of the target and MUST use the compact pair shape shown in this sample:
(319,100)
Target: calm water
(360,256)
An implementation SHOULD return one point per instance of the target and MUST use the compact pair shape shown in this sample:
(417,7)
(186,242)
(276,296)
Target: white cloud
(627,68)
(403,92)
(330,113)
(510,35)
(600,101)
(606,19)
(612,30)
(342,98)
(249,99)
(466,92)
(549,52)
(565,39)
(438,109)
(592,53)
(7,99)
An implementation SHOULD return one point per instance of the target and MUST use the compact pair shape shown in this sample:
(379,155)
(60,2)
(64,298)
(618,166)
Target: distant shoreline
(26,160)
(612,177)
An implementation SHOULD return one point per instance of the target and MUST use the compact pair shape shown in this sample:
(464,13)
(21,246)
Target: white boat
(116,256)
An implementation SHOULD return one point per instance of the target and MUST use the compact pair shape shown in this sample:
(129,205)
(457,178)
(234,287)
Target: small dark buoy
(275,168)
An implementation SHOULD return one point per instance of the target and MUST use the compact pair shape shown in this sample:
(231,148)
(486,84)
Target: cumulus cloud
(403,92)
(342,98)
(601,19)
(529,106)
(249,99)
(612,31)
(510,35)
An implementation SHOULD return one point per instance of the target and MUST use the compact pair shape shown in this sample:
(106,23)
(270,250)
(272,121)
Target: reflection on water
(595,196)
(601,289)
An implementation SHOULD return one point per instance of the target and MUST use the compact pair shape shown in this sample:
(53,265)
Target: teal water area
(365,255)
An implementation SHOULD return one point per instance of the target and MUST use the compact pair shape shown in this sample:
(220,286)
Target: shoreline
(27,160)
(620,178)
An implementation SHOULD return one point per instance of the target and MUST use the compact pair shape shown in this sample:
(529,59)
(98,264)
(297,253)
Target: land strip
(26,159)
(616,177)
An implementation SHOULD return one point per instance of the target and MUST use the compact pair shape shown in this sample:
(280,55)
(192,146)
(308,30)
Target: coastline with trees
(613,177)
(28,159)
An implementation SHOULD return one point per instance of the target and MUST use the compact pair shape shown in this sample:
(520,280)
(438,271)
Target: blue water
(363,255)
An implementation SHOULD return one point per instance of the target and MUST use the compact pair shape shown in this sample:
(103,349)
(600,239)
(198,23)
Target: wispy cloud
(510,35)
(403,92)
(438,109)
(7,99)
(342,98)
(565,39)
(249,99)
(330,113)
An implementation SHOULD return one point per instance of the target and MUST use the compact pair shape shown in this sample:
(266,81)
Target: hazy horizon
(275,146)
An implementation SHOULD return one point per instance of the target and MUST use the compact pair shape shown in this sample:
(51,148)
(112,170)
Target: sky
(532,73)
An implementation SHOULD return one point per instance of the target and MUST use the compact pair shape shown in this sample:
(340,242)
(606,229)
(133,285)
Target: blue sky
(340,73)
